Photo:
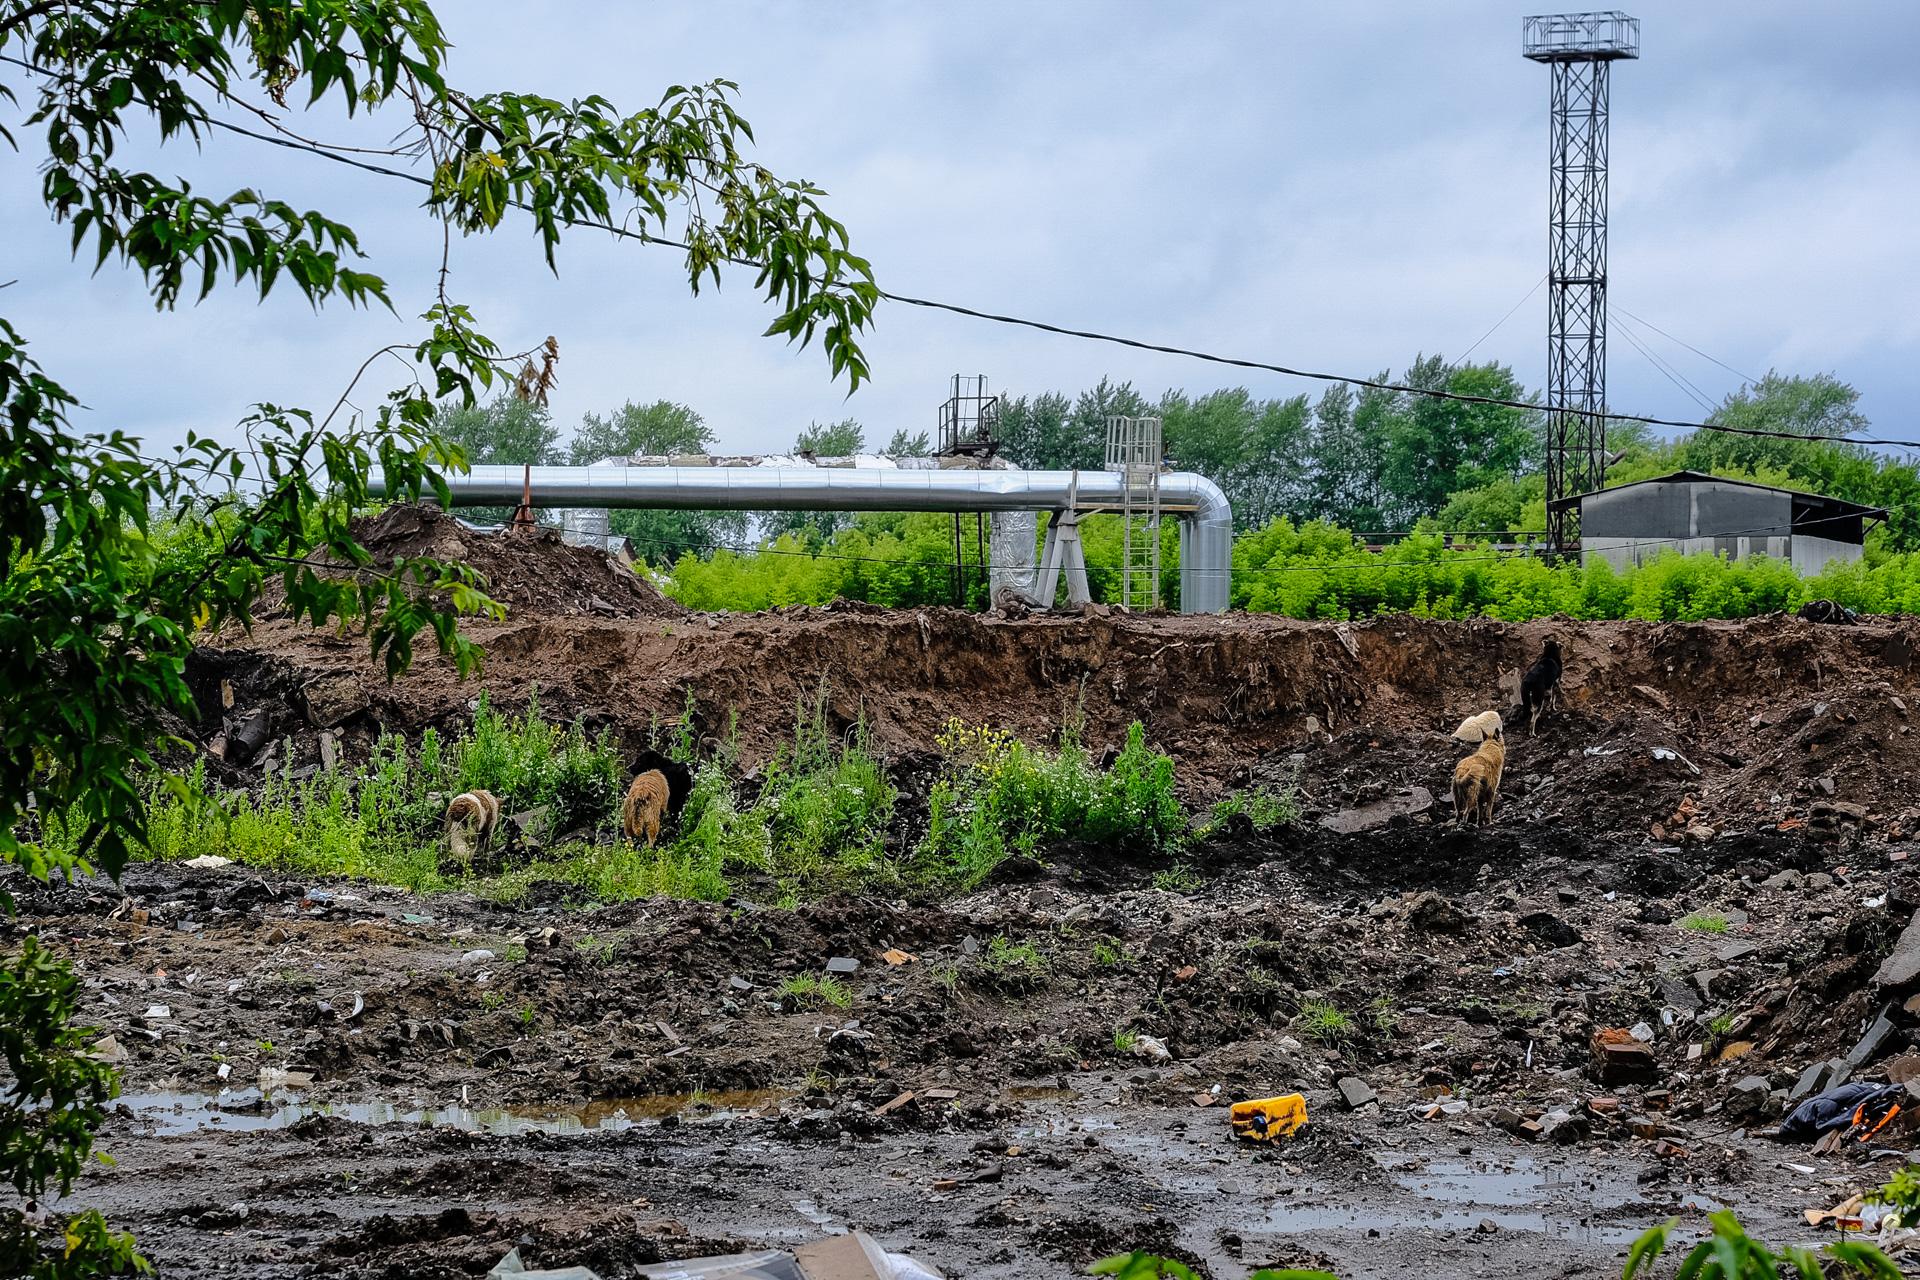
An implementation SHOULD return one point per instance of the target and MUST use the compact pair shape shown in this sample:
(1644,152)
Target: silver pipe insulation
(1206,517)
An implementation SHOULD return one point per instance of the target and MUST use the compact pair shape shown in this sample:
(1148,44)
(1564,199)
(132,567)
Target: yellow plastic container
(1269,1119)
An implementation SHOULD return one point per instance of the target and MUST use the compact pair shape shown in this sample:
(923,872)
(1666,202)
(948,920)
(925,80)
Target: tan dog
(1476,782)
(1481,727)
(646,805)
(471,819)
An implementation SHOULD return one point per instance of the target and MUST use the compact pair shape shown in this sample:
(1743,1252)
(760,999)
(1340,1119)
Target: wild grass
(811,991)
(1323,1021)
(1705,922)
(1266,809)
(1009,959)
(819,820)
(998,797)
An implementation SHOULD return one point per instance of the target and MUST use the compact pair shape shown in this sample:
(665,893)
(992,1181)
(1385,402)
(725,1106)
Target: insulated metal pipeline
(1206,517)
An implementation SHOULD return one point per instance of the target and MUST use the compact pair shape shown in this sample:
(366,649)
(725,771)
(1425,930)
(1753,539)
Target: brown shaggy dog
(646,805)
(471,819)
(1476,782)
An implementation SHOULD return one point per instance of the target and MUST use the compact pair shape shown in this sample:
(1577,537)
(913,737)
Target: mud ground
(1710,837)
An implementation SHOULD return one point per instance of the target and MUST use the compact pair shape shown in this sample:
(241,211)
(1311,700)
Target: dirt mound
(533,574)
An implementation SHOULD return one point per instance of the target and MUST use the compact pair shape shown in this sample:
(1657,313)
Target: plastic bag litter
(854,1256)
(511,1268)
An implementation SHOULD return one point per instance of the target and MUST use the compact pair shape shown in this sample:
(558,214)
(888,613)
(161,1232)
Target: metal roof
(1829,508)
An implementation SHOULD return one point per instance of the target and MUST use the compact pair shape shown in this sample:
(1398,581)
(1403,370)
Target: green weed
(1731,1254)
(1705,922)
(1108,953)
(1720,1024)
(1178,878)
(1323,1021)
(1009,959)
(998,797)
(1124,1040)
(819,991)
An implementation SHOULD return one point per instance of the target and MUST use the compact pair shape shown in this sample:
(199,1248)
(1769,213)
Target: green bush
(998,796)
(1731,1254)
(1146,1266)
(54,1103)
(1312,570)
(826,802)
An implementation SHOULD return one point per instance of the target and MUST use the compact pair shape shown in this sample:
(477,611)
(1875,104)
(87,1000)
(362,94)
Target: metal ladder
(1134,451)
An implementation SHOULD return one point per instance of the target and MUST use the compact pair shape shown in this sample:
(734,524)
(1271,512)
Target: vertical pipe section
(1205,515)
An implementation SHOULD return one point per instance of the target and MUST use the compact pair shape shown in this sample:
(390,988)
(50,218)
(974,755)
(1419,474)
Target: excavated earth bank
(1710,837)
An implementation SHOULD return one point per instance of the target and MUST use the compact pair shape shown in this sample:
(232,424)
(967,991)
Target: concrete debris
(1901,968)
(1874,1041)
(1407,803)
(1356,1093)
(1749,1096)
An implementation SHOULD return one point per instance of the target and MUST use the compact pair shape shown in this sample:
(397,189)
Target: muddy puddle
(1518,1194)
(171,1114)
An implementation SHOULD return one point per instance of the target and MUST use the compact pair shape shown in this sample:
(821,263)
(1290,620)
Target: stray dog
(659,790)
(1481,727)
(471,819)
(1540,685)
(1476,783)
(1830,611)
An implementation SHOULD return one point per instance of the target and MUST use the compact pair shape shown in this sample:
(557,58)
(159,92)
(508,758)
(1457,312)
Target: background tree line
(1350,460)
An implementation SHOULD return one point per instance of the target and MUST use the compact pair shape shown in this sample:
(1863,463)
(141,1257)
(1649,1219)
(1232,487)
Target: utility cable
(1503,319)
(1661,367)
(1747,377)
(1042,326)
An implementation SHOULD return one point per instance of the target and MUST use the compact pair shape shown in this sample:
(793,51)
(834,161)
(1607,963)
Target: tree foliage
(95,621)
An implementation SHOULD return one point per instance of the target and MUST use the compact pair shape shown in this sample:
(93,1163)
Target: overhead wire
(1672,375)
(1688,345)
(1503,319)
(1090,335)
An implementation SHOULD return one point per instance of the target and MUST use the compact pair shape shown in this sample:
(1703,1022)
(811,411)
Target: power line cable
(1090,335)
(1503,319)
(1688,345)
(1699,394)
(1671,375)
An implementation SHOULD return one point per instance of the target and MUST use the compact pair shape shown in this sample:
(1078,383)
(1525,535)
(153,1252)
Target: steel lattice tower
(1579,48)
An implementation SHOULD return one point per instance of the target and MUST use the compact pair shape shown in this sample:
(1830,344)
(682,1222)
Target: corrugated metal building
(1690,511)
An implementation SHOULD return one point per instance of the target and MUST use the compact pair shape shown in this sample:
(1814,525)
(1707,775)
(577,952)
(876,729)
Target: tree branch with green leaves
(96,623)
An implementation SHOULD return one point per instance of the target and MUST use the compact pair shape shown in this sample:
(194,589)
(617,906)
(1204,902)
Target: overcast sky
(1336,187)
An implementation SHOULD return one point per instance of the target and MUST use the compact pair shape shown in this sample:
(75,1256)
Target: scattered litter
(1269,1119)
(1849,1106)
(157,1011)
(107,1049)
(1151,1048)
(479,955)
(414,917)
(511,1266)
(226,1069)
(896,957)
(1604,751)
(272,1078)
(843,964)
(853,1256)
(1668,753)
(208,862)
